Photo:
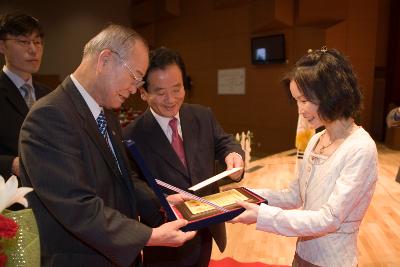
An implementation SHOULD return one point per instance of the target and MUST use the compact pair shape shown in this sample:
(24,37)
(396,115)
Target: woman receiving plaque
(326,202)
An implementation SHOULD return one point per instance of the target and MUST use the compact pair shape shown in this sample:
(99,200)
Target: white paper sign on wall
(232,81)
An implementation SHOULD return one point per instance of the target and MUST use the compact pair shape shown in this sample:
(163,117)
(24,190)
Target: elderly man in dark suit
(85,199)
(180,143)
(21,43)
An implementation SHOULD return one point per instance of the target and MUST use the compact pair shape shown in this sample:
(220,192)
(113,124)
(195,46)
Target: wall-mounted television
(268,49)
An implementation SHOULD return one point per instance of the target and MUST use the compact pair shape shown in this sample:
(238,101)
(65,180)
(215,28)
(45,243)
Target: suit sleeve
(224,143)
(5,165)
(52,154)
(148,204)
(6,160)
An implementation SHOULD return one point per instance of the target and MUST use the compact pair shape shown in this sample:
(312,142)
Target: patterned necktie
(176,141)
(28,94)
(102,124)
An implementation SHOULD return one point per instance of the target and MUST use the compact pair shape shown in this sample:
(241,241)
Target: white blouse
(326,202)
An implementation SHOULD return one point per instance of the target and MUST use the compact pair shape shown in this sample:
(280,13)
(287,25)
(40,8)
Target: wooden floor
(379,237)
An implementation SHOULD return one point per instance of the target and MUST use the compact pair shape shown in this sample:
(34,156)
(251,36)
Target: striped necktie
(28,94)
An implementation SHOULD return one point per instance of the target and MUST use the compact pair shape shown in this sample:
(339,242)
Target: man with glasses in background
(21,43)
(86,199)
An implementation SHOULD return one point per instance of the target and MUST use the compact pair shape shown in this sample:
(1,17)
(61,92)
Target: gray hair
(113,37)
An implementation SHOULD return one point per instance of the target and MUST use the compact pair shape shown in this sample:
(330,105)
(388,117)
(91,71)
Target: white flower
(10,193)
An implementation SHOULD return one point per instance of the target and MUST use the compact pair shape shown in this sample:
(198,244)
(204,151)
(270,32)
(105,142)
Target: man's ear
(143,94)
(104,59)
(2,44)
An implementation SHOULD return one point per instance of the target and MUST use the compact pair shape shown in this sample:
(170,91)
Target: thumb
(179,223)
(229,162)
(245,204)
(238,162)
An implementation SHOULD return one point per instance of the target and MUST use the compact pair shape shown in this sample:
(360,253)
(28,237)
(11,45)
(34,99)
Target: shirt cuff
(265,217)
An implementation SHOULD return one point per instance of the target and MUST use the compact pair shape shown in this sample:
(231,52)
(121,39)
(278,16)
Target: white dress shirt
(95,109)
(19,82)
(164,124)
(326,202)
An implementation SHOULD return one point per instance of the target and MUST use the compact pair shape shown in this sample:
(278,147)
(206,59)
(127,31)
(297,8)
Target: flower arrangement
(10,194)
(126,115)
(245,142)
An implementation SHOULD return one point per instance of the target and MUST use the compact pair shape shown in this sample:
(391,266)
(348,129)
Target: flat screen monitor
(268,49)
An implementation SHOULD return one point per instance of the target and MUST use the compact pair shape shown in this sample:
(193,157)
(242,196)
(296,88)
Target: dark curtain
(392,96)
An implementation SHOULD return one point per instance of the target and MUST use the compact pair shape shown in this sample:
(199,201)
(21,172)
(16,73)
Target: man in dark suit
(166,122)
(85,200)
(21,43)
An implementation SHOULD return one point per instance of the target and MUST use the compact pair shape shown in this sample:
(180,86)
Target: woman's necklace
(323,147)
(346,132)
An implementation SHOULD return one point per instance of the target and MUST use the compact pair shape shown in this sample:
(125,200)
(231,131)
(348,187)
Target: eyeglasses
(26,43)
(138,81)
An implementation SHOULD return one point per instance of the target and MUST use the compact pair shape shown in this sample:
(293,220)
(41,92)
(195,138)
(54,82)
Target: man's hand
(176,199)
(249,216)
(15,167)
(234,160)
(393,118)
(169,235)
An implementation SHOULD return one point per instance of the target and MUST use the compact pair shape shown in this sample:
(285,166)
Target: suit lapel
(12,93)
(90,125)
(190,132)
(114,135)
(155,138)
(114,132)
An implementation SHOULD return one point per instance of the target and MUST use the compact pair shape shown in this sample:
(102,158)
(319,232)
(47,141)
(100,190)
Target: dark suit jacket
(13,110)
(85,207)
(204,142)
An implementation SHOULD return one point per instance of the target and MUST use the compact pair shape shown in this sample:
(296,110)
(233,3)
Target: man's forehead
(138,58)
(33,35)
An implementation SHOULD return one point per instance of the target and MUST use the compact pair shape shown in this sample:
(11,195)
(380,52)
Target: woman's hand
(249,216)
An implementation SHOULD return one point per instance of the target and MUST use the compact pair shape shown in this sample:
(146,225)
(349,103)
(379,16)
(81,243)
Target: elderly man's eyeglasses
(27,43)
(138,81)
